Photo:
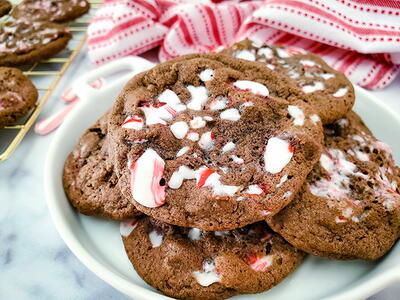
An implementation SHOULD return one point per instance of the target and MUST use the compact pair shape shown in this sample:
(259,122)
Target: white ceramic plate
(97,243)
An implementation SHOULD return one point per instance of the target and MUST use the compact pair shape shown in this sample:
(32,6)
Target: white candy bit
(224,169)
(361,155)
(271,66)
(254,189)
(340,219)
(199,97)
(315,119)
(284,178)
(146,173)
(260,264)
(326,76)
(181,174)
(237,159)
(207,141)
(208,276)
(206,75)
(134,122)
(126,227)
(245,54)
(219,103)
(340,92)
(296,113)
(231,114)
(182,151)
(155,239)
(277,155)
(193,136)
(172,100)
(158,114)
(179,129)
(307,63)
(252,86)
(194,234)
(209,178)
(282,53)
(221,233)
(197,123)
(294,74)
(243,106)
(317,86)
(287,194)
(267,52)
(228,147)
(208,118)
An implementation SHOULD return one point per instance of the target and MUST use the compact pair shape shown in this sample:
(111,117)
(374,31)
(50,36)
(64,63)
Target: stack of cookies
(226,169)
(30,36)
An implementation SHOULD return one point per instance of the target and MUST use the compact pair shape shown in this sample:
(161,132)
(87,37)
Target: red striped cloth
(358,37)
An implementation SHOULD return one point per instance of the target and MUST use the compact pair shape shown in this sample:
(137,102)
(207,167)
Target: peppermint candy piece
(127,226)
(147,186)
(259,264)
(252,86)
(277,155)
(134,122)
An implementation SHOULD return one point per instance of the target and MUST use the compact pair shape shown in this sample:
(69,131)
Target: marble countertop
(34,261)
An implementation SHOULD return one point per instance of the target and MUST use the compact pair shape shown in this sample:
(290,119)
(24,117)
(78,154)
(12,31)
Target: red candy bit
(291,149)
(170,110)
(204,176)
(257,263)
(265,187)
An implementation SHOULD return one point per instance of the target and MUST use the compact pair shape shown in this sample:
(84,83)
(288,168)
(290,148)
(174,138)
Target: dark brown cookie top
(89,180)
(5,7)
(329,91)
(51,10)
(189,263)
(209,141)
(350,206)
(17,95)
(24,42)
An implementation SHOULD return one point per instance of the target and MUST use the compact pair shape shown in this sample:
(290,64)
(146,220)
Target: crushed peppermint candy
(199,97)
(179,129)
(231,114)
(208,275)
(297,114)
(252,86)
(155,239)
(127,226)
(277,155)
(206,75)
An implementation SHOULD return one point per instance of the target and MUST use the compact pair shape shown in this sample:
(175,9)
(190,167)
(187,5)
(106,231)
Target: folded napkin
(358,37)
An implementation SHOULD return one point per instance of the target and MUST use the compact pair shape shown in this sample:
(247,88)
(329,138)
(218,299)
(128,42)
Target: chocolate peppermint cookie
(17,95)
(350,206)
(89,181)
(189,263)
(5,7)
(212,142)
(51,10)
(328,91)
(23,42)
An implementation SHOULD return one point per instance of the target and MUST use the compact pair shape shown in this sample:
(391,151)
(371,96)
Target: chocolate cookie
(329,91)
(51,10)
(210,141)
(189,263)
(23,42)
(350,206)
(17,95)
(5,7)
(89,181)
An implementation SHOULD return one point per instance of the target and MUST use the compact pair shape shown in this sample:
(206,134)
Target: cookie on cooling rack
(18,95)
(89,181)
(5,7)
(23,42)
(212,142)
(51,10)
(328,91)
(350,206)
(189,263)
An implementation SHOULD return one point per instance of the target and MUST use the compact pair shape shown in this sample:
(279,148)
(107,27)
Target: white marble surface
(34,261)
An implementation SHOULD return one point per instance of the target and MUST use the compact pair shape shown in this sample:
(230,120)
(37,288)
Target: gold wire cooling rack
(45,75)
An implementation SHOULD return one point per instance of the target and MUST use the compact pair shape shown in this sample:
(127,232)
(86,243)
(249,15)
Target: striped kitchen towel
(358,37)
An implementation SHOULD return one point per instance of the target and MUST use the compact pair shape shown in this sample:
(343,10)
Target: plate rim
(130,289)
